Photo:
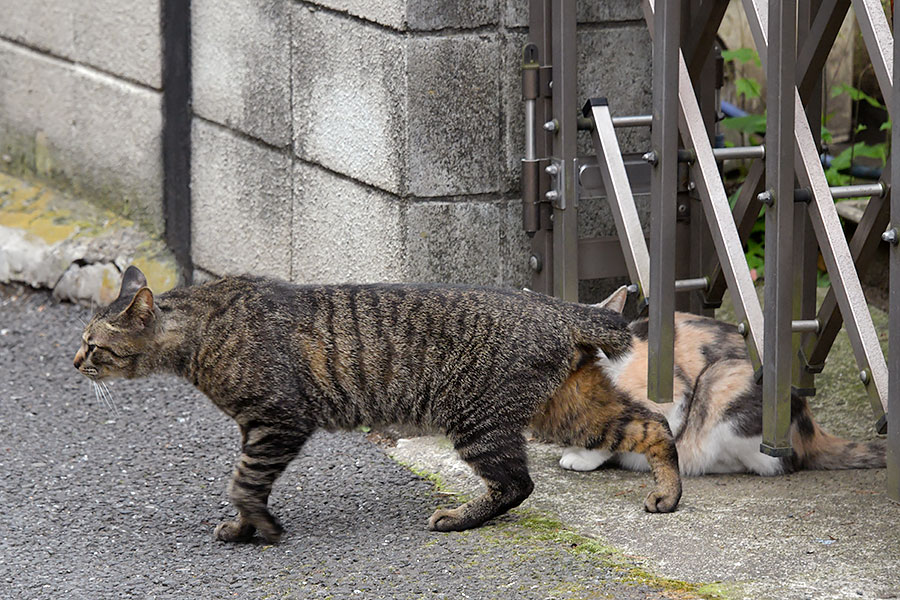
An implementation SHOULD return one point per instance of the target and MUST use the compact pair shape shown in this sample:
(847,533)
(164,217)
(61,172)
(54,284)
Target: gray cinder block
(43,24)
(344,231)
(241,204)
(350,97)
(84,131)
(414,116)
(454,125)
(121,37)
(241,66)
(456,242)
(420,15)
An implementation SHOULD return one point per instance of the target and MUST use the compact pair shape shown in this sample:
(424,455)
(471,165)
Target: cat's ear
(616,301)
(141,308)
(132,281)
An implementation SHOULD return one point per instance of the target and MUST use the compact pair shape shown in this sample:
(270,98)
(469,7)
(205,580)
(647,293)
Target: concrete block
(454,242)
(344,231)
(241,204)
(515,247)
(87,132)
(512,109)
(628,86)
(349,104)
(242,66)
(454,103)
(122,37)
(118,141)
(42,24)
(420,15)
(515,12)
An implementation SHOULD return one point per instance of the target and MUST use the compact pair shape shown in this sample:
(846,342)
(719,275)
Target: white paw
(582,459)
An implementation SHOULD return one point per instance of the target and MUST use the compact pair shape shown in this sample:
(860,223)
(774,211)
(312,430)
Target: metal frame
(789,346)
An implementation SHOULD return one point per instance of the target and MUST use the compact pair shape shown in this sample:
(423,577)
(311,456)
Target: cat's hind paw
(234,531)
(582,459)
(662,502)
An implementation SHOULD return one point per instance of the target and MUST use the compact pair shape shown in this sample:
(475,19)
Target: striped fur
(284,360)
(716,415)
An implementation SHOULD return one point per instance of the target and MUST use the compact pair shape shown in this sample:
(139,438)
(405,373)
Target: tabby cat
(717,413)
(284,360)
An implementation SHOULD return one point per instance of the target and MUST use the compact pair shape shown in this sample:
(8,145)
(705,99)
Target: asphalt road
(97,502)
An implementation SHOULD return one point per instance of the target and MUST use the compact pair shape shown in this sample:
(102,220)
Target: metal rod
(664,185)
(858,191)
(619,194)
(893,408)
(780,78)
(805,248)
(739,152)
(689,285)
(805,325)
(633,121)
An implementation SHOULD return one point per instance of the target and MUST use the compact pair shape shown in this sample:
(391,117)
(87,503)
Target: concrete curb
(54,241)
(812,534)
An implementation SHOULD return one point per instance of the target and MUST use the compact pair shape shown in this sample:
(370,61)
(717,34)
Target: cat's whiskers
(97,393)
(109,398)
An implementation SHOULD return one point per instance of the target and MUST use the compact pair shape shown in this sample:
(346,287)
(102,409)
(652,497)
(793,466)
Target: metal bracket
(556,195)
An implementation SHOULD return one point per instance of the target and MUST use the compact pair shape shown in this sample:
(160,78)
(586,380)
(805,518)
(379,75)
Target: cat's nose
(79,358)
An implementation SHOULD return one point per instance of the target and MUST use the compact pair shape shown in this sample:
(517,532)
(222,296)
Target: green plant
(752,128)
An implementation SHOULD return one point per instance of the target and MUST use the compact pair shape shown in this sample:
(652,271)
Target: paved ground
(102,503)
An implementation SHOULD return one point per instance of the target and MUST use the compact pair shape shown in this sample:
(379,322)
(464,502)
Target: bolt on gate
(704,253)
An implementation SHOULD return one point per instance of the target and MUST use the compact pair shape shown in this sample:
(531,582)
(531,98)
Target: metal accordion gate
(788,345)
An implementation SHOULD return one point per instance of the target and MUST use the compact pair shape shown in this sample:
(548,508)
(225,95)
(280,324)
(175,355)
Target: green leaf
(827,138)
(843,160)
(860,128)
(747,124)
(741,55)
(886,126)
(855,94)
(748,87)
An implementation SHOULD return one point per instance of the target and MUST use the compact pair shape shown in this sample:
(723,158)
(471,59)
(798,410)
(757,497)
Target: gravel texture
(101,502)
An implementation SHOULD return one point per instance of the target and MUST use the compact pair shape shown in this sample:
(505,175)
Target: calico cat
(284,360)
(717,413)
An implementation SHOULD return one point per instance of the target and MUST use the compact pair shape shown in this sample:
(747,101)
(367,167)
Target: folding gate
(786,176)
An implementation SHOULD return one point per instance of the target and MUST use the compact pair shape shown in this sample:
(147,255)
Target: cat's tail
(814,448)
(601,328)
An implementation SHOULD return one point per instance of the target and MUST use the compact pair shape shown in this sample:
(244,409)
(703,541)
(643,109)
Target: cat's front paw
(447,520)
(662,502)
(582,459)
(234,531)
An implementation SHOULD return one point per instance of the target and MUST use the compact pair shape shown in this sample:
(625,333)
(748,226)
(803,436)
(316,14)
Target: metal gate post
(779,197)
(563,192)
(893,411)
(663,156)
(541,260)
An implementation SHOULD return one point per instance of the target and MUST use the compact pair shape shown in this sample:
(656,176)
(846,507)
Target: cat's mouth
(90,373)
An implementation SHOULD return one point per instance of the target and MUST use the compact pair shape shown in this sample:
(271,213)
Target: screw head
(651,157)
(766,198)
(551,125)
(864,376)
(552,170)
(742,329)
(890,236)
(535,263)
(552,195)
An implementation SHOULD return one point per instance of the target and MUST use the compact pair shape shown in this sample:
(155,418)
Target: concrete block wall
(401,121)
(331,140)
(80,99)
